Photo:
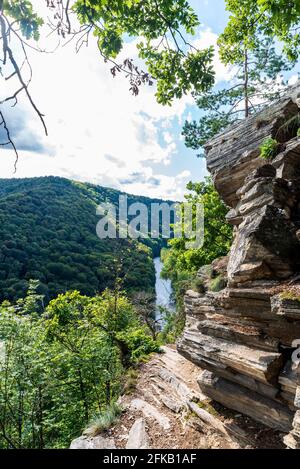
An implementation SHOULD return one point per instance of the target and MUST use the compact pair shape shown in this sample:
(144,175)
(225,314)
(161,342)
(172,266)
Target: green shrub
(218,284)
(269,148)
(105,420)
(298,132)
(197,285)
(139,342)
(131,379)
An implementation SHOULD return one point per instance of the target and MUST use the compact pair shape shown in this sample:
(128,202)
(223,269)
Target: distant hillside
(48,232)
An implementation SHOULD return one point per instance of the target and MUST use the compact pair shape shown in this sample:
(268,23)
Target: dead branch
(9,140)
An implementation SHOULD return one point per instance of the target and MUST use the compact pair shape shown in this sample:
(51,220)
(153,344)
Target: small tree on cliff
(256,82)
(273,18)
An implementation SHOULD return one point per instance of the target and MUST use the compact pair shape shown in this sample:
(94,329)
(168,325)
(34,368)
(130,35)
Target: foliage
(139,343)
(271,17)
(291,295)
(268,148)
(177,66)
(131,380)
(48,233)
(173,324)
(22,13)
(145,306)
(163,25)
(105,420)
(256,82)
(181,264)
(217,233)
(218,284)
(61,368)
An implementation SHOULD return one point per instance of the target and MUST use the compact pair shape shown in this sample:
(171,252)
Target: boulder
(96,442)
(138,438)
(234,396)
(216,353)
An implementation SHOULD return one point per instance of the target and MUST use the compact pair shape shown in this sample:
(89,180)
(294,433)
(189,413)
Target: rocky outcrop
(233,154)
(166,409)
(292,440)
(244,336)
(138,438)
(96,442)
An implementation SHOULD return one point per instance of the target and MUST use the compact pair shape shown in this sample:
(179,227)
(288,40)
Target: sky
(99,132)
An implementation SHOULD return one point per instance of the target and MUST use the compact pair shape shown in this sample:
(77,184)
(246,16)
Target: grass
(289,295)
(131,381)
(197,285)
(218,284)
(208,407)
(105,420)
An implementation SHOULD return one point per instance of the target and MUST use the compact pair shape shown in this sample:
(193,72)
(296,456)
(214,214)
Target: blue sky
(98,132)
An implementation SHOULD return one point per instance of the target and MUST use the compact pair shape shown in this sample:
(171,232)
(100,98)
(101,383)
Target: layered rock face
(244,337)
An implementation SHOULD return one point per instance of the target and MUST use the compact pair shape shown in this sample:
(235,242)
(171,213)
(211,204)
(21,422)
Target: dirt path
(165,410)
(161,405)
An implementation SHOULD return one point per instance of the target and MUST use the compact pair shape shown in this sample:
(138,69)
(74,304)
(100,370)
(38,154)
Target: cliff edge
(244,337)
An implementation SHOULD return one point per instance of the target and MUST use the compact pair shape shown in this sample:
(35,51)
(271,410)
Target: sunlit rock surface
(243,337)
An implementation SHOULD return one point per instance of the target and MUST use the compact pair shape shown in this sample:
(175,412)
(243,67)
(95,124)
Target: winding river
(163,290)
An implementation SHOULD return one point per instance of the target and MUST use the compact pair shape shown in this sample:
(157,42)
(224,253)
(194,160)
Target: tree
(279,18)
(61,369)
(217,233)
(181,265)
(257,81)
(61,249)
(146,308)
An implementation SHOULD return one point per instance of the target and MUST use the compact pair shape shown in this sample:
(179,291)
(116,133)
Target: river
(163,290)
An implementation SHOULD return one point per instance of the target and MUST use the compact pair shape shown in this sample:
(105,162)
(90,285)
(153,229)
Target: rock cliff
(243,338)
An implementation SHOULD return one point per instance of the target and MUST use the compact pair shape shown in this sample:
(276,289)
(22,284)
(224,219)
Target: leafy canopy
(63,369)
(257,81)
(162,25)
(279,18)
(23,14)
(177,66)
(217,233)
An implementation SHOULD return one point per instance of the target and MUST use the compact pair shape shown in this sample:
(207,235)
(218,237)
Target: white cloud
(91,115)
(208,38)
(293,80)
(98,131)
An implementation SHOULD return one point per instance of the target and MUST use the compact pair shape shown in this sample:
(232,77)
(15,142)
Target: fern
(269,149)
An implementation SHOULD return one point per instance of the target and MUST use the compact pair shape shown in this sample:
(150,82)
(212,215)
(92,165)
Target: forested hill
(48,233)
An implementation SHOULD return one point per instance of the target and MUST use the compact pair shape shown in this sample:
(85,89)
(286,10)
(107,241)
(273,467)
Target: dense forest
(48,233)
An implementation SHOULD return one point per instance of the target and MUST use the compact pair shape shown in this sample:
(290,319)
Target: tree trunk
(246,83)
(83,396)
(107,392)
(40,418)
